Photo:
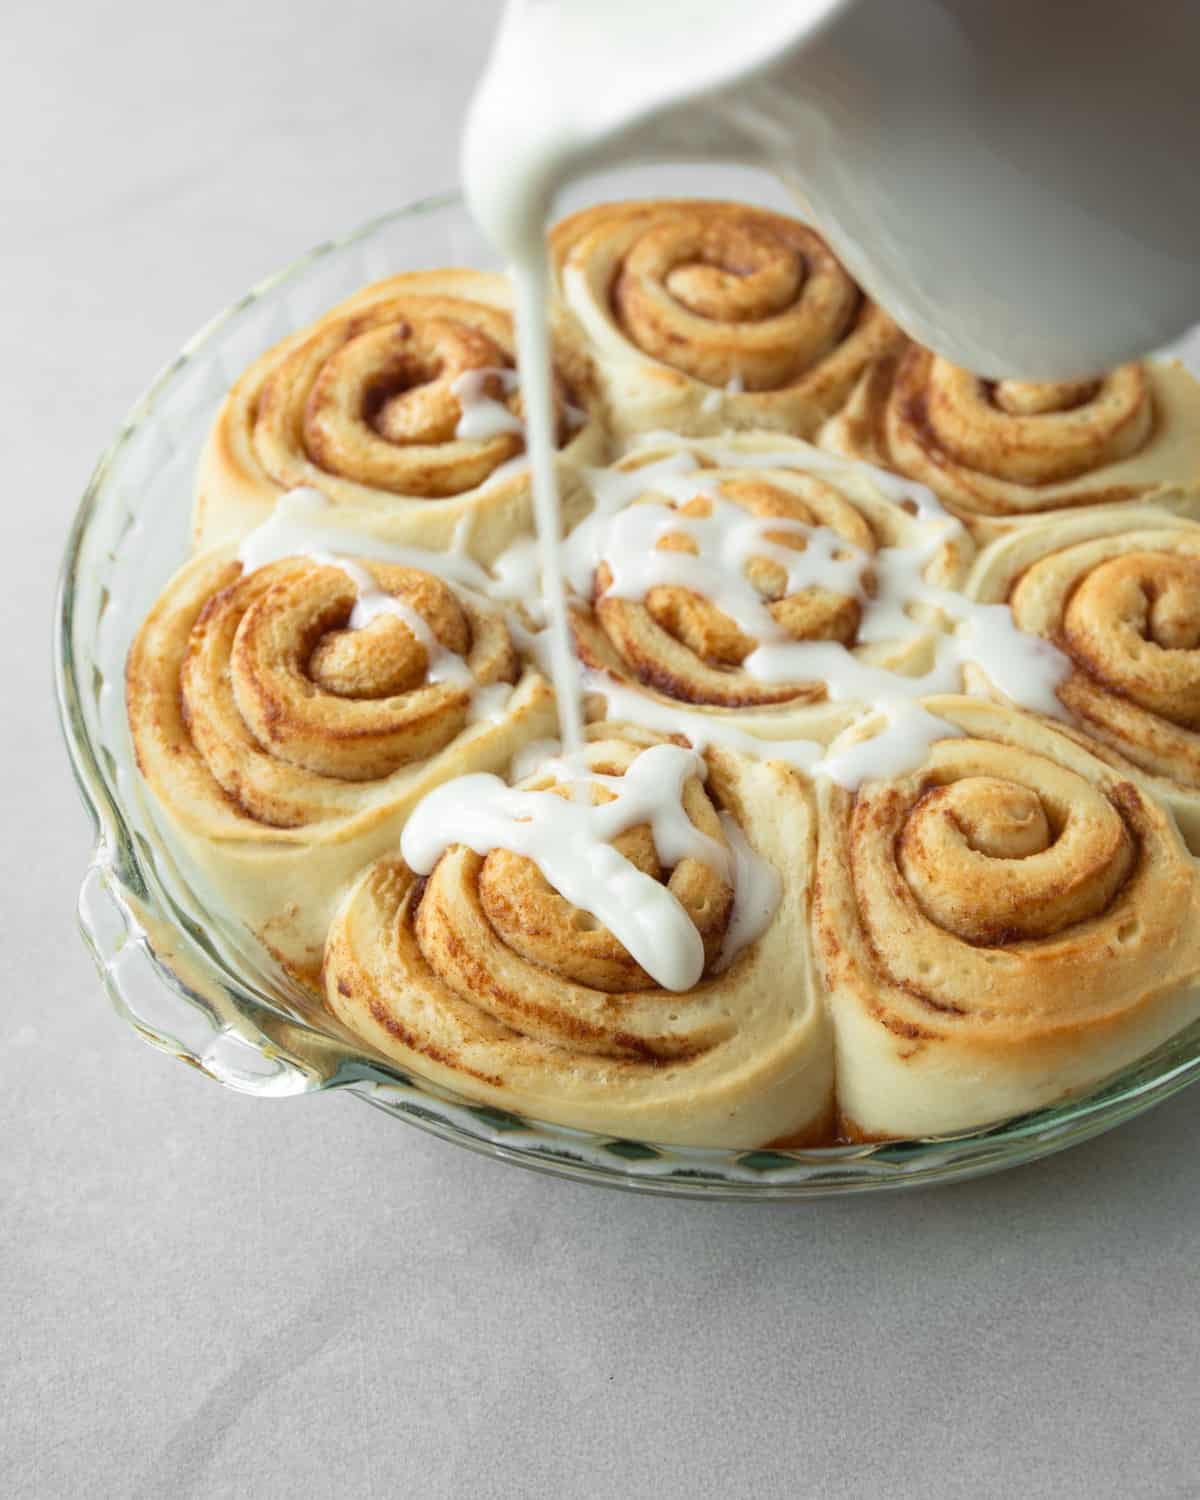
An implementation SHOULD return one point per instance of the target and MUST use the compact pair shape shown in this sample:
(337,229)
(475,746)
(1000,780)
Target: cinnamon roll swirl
(1119,594)
(998,453)
(729,545)
(1001,927)
(709,316)
(286,741)
(402,403)
(484,978)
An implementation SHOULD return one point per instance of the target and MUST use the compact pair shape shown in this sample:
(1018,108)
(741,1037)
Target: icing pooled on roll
(610,962)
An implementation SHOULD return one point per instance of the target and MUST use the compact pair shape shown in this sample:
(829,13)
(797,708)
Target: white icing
(612,490)
(302,526)
(703,730)
(1026,668)
(571,842)
(305,523)
(529,131)
(517,574)
(460,538)
(917,498)
(757,889)
(725,541)
(489,704)
(482,416)
(373,602)
(531,757)
(904,732)
(534,643)
(532,285)
(901,742)
(734,386)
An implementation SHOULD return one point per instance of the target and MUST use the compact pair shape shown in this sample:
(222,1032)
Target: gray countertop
(208,1295)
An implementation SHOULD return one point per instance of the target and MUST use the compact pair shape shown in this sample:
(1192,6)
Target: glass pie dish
(180,972)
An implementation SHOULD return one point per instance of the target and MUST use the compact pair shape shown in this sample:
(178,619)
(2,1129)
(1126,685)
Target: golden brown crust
(486,980)
(285,708)
(1000,927)
(287,749)
(364,405)
(708,316)
(1119,594)
(1001,453)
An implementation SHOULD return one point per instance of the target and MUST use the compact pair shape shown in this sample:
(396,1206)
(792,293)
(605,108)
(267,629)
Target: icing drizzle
(570,839)
(302,525)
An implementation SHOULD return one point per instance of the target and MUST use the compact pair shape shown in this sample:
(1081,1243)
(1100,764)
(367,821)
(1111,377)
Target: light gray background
(207,1295)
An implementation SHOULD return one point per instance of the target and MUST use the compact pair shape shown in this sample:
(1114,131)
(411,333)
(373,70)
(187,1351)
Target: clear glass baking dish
(186,981)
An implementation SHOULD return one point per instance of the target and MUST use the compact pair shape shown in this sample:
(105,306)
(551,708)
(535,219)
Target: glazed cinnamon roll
(998,453)
(402,403)
(1119,594)
(725,548)
(999,928)
(285,738)
(709,316)
(486,978)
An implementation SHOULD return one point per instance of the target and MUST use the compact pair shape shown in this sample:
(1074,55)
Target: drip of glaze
(301,526)
(531,129)
(481,415)
(724,542)
(627,704)
(570,841)
(304,524)
(532,284)
(517,577)
(1025,668)
(757,889)
(486,703)
(734,386)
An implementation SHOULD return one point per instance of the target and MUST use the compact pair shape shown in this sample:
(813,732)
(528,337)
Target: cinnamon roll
(708,316)
(484,977)
(1119,594)
(286,740)
(402,403)
(1001,927)
(998,453)
(718,548)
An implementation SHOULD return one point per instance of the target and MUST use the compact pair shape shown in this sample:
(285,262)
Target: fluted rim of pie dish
(177,974)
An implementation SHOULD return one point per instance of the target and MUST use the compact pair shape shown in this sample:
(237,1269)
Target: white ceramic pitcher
(1017,181)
